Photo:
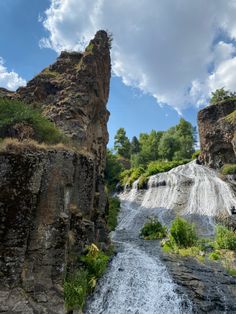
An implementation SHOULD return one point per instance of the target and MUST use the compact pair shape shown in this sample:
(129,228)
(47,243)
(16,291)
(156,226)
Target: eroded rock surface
(52,200)
(208,286)
(217,131)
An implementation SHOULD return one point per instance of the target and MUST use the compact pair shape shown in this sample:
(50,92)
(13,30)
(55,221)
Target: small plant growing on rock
(79,284)
(153,230)
(95,261)
(76,289)
(228,169)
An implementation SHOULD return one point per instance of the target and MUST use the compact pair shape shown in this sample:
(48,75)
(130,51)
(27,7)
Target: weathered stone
(52,200)
(217,129)
(208,286)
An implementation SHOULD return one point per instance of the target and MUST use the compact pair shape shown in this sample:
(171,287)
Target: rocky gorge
(53,203)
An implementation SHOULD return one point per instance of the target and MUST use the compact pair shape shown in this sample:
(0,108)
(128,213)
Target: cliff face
(52,200)
(217,129)
(73,93)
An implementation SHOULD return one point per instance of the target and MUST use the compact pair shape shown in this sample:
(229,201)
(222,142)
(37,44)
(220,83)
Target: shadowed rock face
(217,127)
(52,200)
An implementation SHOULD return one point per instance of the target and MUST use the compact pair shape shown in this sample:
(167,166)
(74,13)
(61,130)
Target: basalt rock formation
(52,199)
(217,131)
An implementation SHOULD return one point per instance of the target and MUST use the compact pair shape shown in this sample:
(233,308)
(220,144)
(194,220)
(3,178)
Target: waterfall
(136,281)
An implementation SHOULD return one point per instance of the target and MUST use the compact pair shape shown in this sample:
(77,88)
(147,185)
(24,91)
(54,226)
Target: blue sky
(156,58)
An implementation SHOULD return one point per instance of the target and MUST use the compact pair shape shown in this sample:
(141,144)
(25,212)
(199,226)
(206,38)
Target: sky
(167,55)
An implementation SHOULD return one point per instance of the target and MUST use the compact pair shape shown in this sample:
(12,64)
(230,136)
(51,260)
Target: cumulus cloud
(169,49)
(9,79)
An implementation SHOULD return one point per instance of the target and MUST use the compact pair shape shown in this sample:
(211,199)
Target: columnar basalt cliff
(217,131)
(52,200)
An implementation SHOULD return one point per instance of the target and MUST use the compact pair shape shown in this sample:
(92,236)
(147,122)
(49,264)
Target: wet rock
(209,287)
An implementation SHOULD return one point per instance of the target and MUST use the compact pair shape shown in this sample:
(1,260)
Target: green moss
(228,169)
(13,112)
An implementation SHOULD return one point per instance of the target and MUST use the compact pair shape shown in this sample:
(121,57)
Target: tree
(185,136)
(168,146)
(135,146)
(220,94)
(122,144)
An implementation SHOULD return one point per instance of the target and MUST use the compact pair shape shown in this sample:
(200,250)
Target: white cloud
(224,76)
(163,47)
(9,79)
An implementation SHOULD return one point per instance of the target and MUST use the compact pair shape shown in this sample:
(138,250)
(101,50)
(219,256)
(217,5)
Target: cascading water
(137,282)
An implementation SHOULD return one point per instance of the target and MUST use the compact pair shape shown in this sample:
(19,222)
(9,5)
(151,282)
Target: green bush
(143,181)
(75,290)
(155,167)
(95,261)
(79,284)
(182,233)
(13,112)
(214,256)
(225,238)
(153,230)
(130,175)
(113,211)
(228,169)
(196,154)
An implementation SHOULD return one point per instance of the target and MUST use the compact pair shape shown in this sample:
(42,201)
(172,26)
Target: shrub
(75,290)
(196,154)
(228,169)
(95,261)
(155,167)
(225,238)
(214,256)
(130,175)
(13,112)
(113,211)
(183,234)
(79,284)
(143,181)
(153,229)
(220,95)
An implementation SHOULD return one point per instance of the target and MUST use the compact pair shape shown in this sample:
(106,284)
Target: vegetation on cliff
(221,94)
(79,284)
(23,122)
(113,211)
(228,169)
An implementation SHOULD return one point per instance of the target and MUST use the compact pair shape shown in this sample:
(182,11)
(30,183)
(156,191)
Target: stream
(137,280)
